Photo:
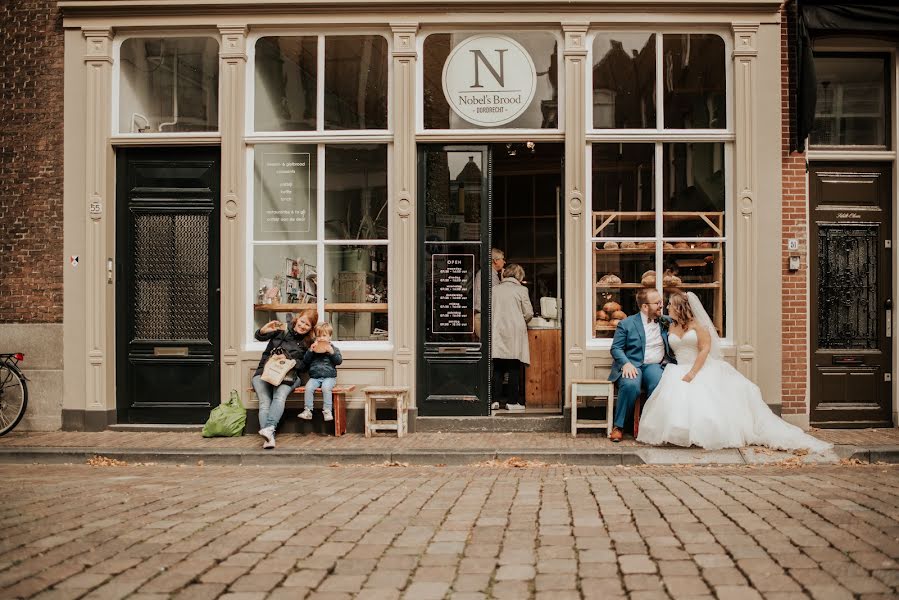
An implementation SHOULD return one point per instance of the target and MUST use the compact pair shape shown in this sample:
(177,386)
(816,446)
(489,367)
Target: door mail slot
(848,360)
(170,351)
(452,350)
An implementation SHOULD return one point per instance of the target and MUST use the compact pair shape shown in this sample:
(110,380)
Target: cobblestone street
(492,530)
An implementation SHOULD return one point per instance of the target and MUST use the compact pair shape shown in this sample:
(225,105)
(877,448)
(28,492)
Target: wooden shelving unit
(698,254)
(329,307)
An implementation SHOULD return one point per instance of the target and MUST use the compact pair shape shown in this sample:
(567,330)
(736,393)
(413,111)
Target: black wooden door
(454,229)
(851,306)
(167,304)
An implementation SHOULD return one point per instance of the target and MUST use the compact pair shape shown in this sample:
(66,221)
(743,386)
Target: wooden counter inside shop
(543,386)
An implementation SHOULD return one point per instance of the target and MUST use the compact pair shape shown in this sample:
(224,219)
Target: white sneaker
(494,406)
(329,416)
(515,406)
(269,443)
(269,434)
(306,414)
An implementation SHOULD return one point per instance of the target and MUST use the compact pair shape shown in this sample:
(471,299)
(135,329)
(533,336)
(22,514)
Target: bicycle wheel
(13,398)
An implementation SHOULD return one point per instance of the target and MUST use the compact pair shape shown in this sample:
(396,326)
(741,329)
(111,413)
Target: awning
(875,18)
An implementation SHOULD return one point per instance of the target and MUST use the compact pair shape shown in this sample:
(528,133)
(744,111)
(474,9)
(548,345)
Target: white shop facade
(232,164)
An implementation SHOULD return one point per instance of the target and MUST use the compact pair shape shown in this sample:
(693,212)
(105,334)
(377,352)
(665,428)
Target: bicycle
(13,392)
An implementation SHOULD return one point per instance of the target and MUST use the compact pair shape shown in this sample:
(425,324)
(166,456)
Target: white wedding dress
(720,408)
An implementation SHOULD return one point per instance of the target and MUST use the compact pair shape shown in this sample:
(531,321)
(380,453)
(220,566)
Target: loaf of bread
(618,315)
(610,246)
(648,279)
(602,315)
(609,279)
(628,244)
(611,307)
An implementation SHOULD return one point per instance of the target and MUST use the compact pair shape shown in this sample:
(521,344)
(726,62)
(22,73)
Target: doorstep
(437,448)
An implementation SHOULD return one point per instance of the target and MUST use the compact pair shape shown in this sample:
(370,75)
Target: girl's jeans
(327,384)
(271,400)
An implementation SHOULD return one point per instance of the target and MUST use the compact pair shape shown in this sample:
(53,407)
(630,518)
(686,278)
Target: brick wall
(31,161)
(795,225)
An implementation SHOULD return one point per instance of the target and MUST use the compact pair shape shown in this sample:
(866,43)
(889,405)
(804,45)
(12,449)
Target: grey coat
(511,312)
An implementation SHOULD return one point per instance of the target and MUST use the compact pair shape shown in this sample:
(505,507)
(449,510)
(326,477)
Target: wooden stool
(394,394)
(592,388)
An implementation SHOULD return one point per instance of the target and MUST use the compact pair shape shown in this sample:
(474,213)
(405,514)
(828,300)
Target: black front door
(454,356)
(167,304)
(851,307)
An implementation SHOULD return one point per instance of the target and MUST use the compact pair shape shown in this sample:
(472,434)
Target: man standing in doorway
(639,353)
(498,261)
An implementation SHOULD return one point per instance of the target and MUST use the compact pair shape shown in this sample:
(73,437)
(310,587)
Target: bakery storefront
(235,163)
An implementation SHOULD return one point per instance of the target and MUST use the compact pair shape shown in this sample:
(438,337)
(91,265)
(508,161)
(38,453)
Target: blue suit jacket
(629,344)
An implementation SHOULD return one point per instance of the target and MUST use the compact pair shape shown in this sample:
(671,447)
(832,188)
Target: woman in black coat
(294,341)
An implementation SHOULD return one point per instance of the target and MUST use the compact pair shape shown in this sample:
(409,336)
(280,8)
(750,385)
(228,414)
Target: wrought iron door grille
(171,269)
(847,286)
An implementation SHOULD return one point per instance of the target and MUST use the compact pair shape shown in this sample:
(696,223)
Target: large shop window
(325,83)
(518,76)
(322,243)
(168,85)
(659,199)
(852,101)
(639,242)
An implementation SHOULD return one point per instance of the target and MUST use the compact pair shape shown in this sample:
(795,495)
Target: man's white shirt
(655,347)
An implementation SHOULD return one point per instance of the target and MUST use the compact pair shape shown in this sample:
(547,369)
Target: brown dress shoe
(616,435)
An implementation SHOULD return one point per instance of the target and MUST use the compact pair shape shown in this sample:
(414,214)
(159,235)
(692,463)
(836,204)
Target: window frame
(659,136)
(423,134)
(888,102)
(320,138)
(116,87)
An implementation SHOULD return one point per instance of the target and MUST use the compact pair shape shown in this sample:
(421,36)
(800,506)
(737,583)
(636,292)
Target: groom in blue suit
(639,353)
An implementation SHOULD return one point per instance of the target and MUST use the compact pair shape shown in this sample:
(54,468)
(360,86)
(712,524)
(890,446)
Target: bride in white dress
(703,401)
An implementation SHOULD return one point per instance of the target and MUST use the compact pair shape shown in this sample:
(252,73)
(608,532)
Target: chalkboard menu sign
(451,295)
(287,192)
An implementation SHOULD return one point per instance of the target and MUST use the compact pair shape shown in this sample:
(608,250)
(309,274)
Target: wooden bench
(339,396)
(379,393)
(592,388)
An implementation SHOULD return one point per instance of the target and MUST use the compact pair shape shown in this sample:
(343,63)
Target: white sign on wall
(489,80)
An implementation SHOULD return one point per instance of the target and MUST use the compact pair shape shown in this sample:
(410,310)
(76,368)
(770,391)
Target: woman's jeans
(271,400)
(327,384)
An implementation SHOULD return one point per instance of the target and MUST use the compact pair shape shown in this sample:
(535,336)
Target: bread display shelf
(610,251)
(329,307)
(636,286)
(602,219)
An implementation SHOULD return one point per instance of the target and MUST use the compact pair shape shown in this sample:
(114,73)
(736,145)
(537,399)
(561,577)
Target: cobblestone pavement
(150,531)
(457,441)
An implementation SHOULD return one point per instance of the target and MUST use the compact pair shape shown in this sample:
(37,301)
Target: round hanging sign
(489,80)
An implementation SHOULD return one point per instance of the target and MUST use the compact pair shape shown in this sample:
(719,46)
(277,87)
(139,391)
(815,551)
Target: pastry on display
(647,245)
(681,245)
(648,279)
(614,322)
(611,307)
(668,246)
(602,315)
(669,279)
(705,245)
(609,279)
(610,246)
(618,315)
(629,245)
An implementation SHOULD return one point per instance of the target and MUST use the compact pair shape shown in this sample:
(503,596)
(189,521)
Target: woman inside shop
(294,341)
(511,312)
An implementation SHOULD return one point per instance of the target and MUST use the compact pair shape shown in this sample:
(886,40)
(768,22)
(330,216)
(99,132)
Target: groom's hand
(629,371)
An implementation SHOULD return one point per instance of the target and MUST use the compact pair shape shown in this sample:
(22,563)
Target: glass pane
(697,267)
(693,189)
(848,306)
(541,113)
(356,82)
(356,291)
(168,84)
(624,81)
(453,195)
(285,281)
(852,100)
(284,192)
(620,273)
(695,83)
(285,83)
(356,192)
(623,202)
